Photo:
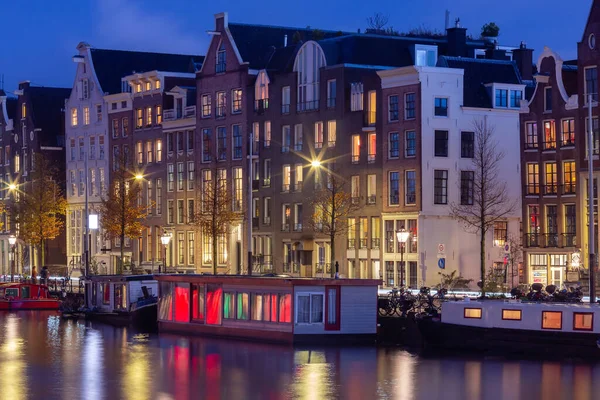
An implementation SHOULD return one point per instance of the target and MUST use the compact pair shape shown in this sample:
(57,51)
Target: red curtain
(106,293)
(214,298)
(285,308)
(198,303)
(182,304)
(273,308)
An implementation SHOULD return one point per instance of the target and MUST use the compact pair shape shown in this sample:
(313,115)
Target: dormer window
(261,92)
(501,98)
(425,56)
(148,86)
(138,87)
(157,84)
(221,60)
(515,98)
(308,65)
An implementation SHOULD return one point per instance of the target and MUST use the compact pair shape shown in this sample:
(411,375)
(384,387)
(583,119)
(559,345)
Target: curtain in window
(316,308)
(242,306)
(214,299)
(331,304)
(257,307)
(229,305)
(303,309)
(198,302)
(182,302)
(273,308)
(285,308)
(165,303)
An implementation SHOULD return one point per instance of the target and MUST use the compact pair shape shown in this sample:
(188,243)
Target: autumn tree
(217,211)
(332,204)
(122,211)
(40,208)
(488,200)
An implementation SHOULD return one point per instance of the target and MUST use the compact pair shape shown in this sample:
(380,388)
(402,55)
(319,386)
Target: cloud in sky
(129,25)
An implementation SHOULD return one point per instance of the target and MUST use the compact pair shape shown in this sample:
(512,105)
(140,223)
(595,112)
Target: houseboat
(26,296)
(122,299)
(515,326)
(274,309)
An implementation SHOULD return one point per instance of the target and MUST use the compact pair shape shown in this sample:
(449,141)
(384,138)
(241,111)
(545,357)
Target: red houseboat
(26,296)
(276,309)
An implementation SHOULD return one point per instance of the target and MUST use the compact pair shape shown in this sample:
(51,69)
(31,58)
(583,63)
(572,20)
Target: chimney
(523,57)
(447,23)
(284,40)
(457,40)
(24,85)
(494,53)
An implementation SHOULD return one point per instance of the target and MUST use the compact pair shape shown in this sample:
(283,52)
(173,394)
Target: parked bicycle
(399,301)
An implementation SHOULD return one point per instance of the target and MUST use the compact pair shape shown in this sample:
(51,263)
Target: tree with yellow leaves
(122,212)
(39,207)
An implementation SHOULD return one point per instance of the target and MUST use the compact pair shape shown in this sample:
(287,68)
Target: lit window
(513,315)
(74,118)
(308,64)
(355,148)
(552,320)
(148,116)
(309,308)
(583,321)
(425,56)
(473,313)
(236,101)
(372,148)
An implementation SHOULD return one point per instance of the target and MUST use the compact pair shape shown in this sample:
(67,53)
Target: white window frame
(296,308)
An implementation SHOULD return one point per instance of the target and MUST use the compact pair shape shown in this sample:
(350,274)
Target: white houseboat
(515,326)
(122,299)
(275,309)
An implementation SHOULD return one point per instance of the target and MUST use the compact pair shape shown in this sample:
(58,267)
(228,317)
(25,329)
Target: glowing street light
(315,163)
(402,236)
(139,177)
(165,239)
(12,186)
(12,240)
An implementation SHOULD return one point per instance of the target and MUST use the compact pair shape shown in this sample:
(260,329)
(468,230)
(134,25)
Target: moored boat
(26,296)
(122,300)
(515,327)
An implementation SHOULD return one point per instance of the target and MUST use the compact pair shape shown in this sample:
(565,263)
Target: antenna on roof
(447,19)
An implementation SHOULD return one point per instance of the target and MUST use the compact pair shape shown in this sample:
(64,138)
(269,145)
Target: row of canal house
(393,117)
(554,158)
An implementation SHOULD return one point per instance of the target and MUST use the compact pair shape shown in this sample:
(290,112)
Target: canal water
(44,357)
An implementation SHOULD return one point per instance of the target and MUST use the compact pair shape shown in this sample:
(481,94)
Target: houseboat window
(198,303)
(271,309)
(285,308)
(242,306)
(583,321)
(257,306)
(513,315)
(94,293)
(12,292)
(551,319)
(25,292)
(120,297)
(229,305)
(182,302)
(214,300)
(1,292)
(106,291)
(473,313)
(165,302)
(309,308)
(332,316)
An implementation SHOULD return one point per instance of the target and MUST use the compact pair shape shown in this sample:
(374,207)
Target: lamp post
(402,236)
(12,240)
(165,239)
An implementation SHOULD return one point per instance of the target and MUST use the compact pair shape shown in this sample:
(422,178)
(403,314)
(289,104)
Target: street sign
(442,263)
(441,253)
(506,249)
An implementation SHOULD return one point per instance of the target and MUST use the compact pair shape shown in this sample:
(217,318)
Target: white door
(556,278)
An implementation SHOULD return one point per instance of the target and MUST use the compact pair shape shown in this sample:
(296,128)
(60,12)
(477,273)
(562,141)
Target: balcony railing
(331,143)
(266,182)
(319,145)
(307,106)
(297,227)
(267,221)
(531,145)
(285,108)
(298,147)
(544,240)
(569,188)
(171,115)
(351,243)
(285,188)
(331,102)
(355,159)
(550,190)
(371,199)
(296,268)
(261,105)
(254,222)
(568,142)
(375,243)
(287,268)
(362,243)
(298,186)
(549,145)
(355,199)
(532,189)
(371,158)
(323,268)
(285,227)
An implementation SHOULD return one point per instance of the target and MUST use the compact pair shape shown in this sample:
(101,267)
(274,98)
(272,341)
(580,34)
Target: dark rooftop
(477,73)
(112,65)
(47,104)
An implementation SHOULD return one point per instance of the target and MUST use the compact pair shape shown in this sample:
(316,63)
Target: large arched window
(261,91)
(308,63)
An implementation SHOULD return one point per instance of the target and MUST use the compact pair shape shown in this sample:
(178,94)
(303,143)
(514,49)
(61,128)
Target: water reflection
(42,356)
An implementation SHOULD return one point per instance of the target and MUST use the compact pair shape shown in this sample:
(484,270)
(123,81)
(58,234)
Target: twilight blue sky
(38,37)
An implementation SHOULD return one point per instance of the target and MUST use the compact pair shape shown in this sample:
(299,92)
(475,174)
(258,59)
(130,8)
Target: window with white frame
(309,308)
(356,96)
(591,83)
(309,61)
(425,56)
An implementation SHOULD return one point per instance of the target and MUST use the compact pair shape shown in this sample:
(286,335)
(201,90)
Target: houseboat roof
(120,278)
(255,280)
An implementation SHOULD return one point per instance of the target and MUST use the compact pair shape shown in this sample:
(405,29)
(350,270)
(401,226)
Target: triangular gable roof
(111,65)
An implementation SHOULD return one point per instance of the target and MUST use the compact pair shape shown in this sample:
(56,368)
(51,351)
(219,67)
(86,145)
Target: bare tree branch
(491,200)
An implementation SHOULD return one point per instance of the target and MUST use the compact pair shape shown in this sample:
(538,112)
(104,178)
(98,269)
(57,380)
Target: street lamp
(12,240)
(12,187)
(139,177)
(165,239)
(315,163)
(402,236)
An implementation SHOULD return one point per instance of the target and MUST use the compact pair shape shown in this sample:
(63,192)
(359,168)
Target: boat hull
(440,335)
(144,317)
(17,305)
